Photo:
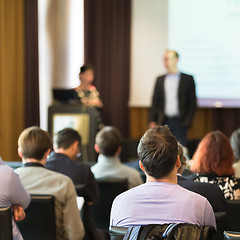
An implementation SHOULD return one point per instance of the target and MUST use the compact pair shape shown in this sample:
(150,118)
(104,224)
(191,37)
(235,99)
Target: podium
(85,120)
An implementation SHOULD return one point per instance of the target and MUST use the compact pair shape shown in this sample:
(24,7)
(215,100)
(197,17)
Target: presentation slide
(206,34)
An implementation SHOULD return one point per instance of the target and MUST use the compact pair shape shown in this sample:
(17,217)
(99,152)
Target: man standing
(160,200)
(174,99)
(34,145)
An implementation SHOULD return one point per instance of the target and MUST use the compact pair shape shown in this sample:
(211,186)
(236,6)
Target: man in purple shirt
(13,194)
(160,200)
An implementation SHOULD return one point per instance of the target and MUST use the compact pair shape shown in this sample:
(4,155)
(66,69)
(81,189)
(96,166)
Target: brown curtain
(11,76)
(226,120)
(31,63)
(107,47)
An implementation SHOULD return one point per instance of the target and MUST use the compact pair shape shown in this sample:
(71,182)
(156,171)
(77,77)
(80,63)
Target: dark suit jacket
(210,191)
(186,98)
(79,172)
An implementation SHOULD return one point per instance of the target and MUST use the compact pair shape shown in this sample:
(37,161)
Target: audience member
(108,145)
(235,144)
(212,162)
(160,200)
(67,146)
(210,191)
(13,194)
(34,145)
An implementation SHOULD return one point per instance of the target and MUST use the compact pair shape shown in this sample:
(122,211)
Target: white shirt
(112,167)
(171,84)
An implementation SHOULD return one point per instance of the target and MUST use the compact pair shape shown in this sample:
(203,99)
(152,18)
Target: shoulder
(6,173)
(160,78)
(186,77)
(92,88)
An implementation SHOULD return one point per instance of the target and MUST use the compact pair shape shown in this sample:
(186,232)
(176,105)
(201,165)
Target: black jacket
(186,98)
(210,191)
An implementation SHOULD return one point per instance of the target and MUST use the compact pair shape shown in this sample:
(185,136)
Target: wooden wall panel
(11,77)
(202,122)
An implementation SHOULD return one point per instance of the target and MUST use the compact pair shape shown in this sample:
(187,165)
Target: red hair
(214,155)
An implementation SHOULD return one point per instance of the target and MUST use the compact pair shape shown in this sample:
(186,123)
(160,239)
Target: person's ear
(96,147)
(20,152)
(119,149)
(141,166)
(47,153)
(178,162)
(75,145)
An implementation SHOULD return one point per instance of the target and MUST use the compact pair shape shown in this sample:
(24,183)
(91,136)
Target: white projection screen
(206,35)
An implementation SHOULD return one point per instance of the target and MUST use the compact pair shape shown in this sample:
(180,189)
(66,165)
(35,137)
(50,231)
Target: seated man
(108,145)
(67,145)
(13,194)
(210,191)
(34,145)
(160,200)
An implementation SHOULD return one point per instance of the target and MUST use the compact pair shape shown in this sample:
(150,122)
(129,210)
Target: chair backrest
(5,223)
(40,219)
(171,231)
(109,189)
(228,235)
(117,233)
(234,214)
(222,221)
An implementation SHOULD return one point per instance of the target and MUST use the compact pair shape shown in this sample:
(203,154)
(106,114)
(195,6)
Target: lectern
(83,119)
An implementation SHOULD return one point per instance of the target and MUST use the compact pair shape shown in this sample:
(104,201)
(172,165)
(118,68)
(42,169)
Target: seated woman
(87,92)
(212,163)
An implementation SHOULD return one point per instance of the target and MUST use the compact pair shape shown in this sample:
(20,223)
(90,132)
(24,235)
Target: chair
(109,189)
(40,219)
(234,214)
(229,235)
(222,221)
(117,233)
(6,223)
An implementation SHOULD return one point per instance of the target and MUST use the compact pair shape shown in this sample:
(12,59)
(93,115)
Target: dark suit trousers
(177,129)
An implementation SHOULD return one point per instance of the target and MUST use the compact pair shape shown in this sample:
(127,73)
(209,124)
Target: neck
(173,71)
(33,160)
(65,152)
(85,85)
(170,178)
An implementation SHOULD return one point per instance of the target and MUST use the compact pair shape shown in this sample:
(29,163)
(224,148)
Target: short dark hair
(34,142)
(158,150)
(86,67)
(66,137)
(108,140)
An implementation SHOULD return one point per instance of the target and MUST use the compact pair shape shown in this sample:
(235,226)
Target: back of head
(235,144)
(108,140)
(158,150)
(34,143)
(66,137)
(214,155)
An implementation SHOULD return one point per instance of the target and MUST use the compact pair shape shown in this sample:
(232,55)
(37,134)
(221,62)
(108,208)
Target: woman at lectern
(87,92)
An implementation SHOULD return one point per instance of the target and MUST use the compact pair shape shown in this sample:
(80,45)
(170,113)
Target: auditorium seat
(40,219)
(234,214)
(6,223)
(109,188)
(229,235)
